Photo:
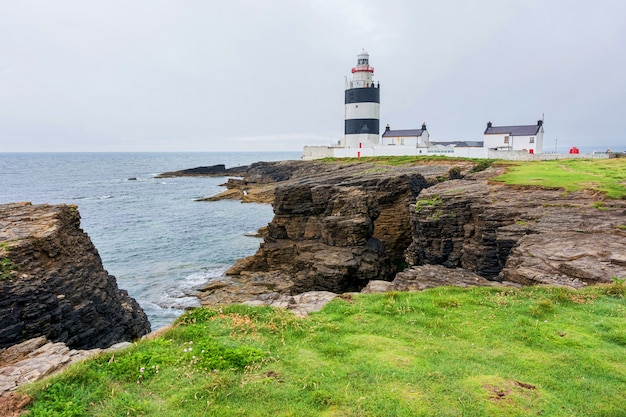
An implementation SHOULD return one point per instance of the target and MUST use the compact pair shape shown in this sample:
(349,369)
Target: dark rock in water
(219,170)
(132,179)
(53,283)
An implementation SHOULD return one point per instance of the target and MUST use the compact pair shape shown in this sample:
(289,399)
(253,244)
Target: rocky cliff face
(522,235)
(336,226)
(53,283)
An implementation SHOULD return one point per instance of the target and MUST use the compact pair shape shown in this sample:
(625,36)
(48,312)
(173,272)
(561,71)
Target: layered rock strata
(335,227)
(35,359)
(522,235)
(53,283)
(338,226)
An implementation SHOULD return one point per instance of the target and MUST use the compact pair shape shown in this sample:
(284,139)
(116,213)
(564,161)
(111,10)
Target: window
(506,139)
(532,139)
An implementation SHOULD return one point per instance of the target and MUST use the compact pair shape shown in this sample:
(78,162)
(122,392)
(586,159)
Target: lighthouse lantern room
(362,106)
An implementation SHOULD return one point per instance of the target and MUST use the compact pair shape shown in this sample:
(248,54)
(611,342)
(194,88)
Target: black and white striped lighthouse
(362,106)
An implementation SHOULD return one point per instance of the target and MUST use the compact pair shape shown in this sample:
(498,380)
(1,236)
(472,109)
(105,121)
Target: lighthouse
(362,106)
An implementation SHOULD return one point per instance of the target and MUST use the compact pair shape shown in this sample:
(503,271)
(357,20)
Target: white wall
(362,140)
(515,143)
(539,141)
(525,156)
(316,152)
(406,140)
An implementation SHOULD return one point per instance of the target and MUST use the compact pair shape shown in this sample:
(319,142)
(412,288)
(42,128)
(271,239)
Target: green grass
(480,164)
(603,175)
(441,352)
(421,203)
(607,176)
(6,265)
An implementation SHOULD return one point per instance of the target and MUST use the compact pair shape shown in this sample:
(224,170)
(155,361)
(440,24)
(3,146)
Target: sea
(151,233)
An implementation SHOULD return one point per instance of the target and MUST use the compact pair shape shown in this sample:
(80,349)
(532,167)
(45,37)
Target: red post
(358,154)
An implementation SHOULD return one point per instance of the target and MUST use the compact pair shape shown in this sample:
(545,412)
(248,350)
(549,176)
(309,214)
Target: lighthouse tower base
(360,141)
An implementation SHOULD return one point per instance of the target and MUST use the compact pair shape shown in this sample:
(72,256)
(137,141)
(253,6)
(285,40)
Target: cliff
(522,235)
(53,283)
(338,226)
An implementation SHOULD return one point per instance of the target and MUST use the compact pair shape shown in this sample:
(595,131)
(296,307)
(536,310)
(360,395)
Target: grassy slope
(441,352)
(604,175)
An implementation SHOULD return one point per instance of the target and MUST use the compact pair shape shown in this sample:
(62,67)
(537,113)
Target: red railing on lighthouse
(362,68)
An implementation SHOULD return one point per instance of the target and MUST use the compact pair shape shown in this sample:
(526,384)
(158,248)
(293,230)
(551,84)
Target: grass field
(441,352)
(404,160)
(603,175)
(607,176)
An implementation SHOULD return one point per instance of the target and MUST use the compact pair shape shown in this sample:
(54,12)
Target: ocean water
(151,235)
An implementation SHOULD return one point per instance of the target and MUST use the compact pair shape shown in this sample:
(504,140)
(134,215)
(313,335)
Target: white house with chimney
(515,138)
(418,138)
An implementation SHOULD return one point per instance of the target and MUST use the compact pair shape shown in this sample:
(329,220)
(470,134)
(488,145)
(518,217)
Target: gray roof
(461,143)
(528,130)
(403,132)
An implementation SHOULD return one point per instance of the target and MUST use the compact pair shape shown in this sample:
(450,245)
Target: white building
(515,138)
(417,138)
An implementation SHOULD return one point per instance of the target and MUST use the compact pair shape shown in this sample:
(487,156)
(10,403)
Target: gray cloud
(252,75)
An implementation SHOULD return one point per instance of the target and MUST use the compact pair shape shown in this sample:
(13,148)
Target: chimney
(424,126)
(539,122)
(488,125)
(387,128)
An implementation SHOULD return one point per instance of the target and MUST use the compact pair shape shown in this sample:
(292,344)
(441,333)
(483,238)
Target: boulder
(419,278)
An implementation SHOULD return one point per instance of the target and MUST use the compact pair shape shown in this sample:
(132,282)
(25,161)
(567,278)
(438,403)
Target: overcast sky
(183,75)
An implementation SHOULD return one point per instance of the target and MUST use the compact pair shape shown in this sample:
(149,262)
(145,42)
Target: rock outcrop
(335,227)
(35,359)
(53,283)
(522,235)
(338,226)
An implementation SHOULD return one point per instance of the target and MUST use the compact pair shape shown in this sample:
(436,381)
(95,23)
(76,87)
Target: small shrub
(600,205)
(427,202)
(6,265)
(482,165)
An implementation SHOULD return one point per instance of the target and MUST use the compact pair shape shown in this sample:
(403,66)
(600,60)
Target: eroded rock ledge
(522,235)
(338,226)
(53,283)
